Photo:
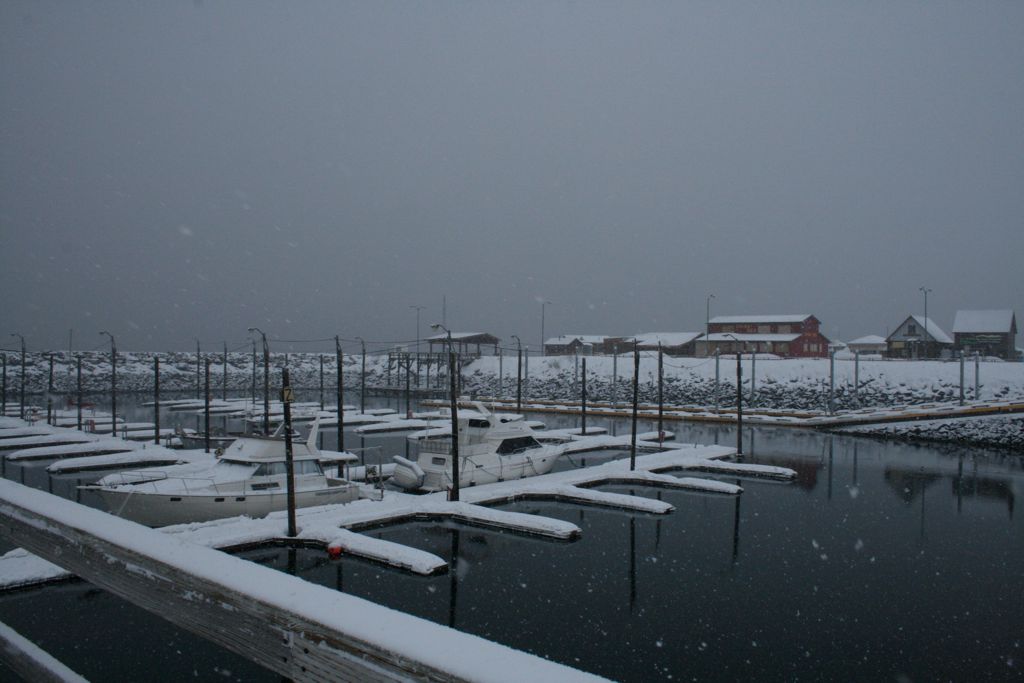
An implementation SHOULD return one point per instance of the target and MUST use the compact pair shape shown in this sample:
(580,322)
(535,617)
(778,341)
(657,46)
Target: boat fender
(334,551)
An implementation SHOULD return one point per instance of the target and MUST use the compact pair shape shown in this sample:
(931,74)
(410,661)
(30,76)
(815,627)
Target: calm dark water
(881,562)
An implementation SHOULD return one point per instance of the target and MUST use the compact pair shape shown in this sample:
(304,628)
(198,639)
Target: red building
(791,336)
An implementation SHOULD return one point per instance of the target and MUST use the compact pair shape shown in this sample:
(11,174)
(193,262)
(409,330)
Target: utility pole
(707,323)
(543,339)
(418,309)
(49,392)
(79,374)
(661,396)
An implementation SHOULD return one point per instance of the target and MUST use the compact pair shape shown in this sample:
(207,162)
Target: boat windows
(518,444)
(270,469)
(479,424)
(439,461)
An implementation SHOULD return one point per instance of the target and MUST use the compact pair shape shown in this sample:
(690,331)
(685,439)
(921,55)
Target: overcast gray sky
(175,170)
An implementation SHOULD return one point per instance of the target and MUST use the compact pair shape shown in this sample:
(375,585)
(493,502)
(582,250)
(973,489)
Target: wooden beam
(300,630)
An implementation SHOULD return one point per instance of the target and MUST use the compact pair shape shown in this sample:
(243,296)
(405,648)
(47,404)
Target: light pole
(418,309)
(924,333)
(266,380)
(21,391)
(543,339)
(707,323)
(519,372)
(198,368)
(454,494)
(113,385)
(739,396)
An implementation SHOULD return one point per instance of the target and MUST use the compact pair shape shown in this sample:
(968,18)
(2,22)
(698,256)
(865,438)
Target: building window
(911,328)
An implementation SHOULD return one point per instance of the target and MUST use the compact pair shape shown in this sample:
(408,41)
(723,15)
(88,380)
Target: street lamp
(519,372)
(543,339)
(707,323)
(924,333)
(266,380)
(454,494)
(21,395)
(739,397)
(113,384)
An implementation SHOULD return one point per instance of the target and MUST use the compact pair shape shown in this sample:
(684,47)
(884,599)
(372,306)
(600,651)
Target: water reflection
(868,567)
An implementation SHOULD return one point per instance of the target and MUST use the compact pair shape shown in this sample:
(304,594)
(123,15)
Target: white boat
(491,448)
(248,479)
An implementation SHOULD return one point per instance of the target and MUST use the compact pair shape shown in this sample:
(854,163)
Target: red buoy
(334,552)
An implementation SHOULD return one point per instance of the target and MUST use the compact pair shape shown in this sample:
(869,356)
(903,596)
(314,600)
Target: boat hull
(162,509)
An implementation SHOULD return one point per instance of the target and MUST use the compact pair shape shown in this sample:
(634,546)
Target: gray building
(989,333)
(917,337)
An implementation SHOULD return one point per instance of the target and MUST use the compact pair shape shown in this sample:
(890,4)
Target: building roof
(934,331)
(1000,321)
(729,336)
(470,337)
(761,319)
(566,339)
(869,340)
(666,338)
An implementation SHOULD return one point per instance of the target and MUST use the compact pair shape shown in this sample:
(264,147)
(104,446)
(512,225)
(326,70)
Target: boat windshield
(268,469)
(518,444)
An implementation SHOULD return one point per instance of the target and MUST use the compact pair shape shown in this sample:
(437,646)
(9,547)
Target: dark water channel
(882,561)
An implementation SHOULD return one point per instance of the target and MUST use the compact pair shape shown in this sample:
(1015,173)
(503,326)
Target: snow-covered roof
(934,331)
(871,339)
(730,336)
(457,335)
(761,319)
(983,321)
(666,338)
(566,339)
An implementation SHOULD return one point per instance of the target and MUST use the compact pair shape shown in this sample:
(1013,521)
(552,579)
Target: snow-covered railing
(300,630)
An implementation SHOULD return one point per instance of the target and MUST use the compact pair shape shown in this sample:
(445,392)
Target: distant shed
(989,333)
(463,342)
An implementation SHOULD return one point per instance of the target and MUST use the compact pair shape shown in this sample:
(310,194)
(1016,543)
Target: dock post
(615,376)
(156,399)
(224,385)
(206,409)
(49,393)
(636,400)
(661,394)
(831,380)
(341,395)
(454,493)
(501,373)
(977,378)
(739,404)
(961,378)
(856,377)
(519,379)
(286,402)
(79,375)
(717,359)
(753,375)
(583,399)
